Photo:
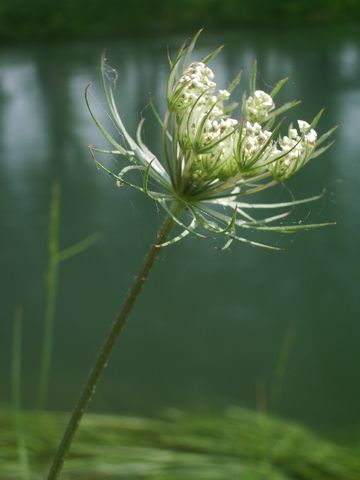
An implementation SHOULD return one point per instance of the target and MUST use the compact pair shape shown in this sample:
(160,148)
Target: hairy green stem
(105,351)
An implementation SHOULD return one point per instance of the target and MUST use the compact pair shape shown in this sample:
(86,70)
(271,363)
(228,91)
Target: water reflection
(23,125)
(210,324)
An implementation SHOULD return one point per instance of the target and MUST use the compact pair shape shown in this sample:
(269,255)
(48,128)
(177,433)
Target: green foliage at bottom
(235,444)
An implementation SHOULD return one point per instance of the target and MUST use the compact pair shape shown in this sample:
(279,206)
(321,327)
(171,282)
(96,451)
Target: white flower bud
(311,137)
(264,100)
(293,133)
(303,126)
(224,94)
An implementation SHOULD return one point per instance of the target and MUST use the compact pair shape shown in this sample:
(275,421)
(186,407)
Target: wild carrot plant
(213,161)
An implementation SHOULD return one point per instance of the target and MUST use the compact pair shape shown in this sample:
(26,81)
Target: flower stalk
(106,349)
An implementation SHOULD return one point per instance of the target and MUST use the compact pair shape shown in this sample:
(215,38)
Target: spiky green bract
(212,162)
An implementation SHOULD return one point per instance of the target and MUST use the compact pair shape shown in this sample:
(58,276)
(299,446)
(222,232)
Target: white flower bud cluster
(222,147)
(217,127)
(258,107)
(195,82)
(195,100)
(310,136)
(224,158)
(298,144)
(254,138)
(220,133)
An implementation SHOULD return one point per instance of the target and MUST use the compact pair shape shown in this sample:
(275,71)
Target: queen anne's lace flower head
(213,157)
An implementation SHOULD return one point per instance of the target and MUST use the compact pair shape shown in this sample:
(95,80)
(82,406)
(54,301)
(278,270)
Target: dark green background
(210,325)
(66,19)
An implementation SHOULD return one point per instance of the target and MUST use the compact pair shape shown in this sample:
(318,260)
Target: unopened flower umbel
(213,160)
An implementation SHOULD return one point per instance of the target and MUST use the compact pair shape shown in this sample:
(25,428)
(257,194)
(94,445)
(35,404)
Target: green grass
(56,256)
(235,444)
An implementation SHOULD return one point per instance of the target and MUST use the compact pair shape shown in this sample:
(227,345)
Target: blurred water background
(276,331)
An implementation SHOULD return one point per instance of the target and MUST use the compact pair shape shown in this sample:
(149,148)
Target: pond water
(211,327)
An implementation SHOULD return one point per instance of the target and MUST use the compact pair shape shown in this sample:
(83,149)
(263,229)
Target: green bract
(211,161)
